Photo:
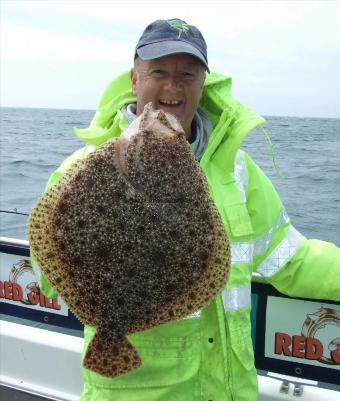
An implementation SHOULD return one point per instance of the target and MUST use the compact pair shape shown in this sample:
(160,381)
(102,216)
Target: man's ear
(133,76)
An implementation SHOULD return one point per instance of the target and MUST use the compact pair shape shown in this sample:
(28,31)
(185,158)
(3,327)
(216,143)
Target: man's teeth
(163,101)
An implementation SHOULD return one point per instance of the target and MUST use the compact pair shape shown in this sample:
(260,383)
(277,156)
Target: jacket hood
(230,119)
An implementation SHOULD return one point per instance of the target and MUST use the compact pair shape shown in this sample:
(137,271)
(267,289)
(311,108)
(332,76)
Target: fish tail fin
(111,358)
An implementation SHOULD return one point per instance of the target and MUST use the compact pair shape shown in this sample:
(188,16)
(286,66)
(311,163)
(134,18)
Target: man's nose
(173,82)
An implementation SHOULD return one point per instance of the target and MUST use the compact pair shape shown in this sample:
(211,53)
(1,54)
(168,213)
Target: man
(209,355)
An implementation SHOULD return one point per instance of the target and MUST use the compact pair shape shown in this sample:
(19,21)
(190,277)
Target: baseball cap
(173,36)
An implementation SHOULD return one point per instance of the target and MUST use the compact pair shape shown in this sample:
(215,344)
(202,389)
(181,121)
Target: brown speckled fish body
(131,239)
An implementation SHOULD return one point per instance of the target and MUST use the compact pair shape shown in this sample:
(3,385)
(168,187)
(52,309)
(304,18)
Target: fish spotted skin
(131,239)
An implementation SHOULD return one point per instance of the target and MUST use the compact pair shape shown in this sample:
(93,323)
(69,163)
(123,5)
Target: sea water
(33,142)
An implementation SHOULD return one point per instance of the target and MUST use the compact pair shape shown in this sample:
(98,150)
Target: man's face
(172,83)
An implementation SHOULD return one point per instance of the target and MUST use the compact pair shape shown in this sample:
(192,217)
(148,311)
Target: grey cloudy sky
(283,56)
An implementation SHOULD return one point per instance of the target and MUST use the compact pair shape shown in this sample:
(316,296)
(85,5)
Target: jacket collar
(231,120)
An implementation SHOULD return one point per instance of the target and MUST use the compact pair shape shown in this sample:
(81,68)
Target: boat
(296,341)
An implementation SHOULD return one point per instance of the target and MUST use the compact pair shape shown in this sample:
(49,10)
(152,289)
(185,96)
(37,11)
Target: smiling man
(169,71)
(208,355)
(172,83)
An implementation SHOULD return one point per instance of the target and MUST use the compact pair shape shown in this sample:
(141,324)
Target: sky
(283,56)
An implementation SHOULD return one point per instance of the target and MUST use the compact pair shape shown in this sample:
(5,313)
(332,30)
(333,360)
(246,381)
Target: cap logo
(179,25)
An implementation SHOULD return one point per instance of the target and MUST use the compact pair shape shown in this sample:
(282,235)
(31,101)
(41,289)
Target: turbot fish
(131,239)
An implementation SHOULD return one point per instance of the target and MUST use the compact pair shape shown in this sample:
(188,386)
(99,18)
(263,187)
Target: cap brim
(167,48)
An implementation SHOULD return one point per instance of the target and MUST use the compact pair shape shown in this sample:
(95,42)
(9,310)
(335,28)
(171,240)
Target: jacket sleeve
(294,265)
(45,286)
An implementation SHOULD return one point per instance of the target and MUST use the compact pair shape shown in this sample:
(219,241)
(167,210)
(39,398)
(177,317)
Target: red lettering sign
(299,344)
(314,348)
(13,291)
(303,347)
(33,297)
(55,304)
(17,292)
(282,344)
(8,290)
(48,303)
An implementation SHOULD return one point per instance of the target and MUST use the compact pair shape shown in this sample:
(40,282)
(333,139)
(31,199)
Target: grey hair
(138,59)
(136,62)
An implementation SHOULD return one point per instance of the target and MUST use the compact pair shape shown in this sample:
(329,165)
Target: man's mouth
(168,102)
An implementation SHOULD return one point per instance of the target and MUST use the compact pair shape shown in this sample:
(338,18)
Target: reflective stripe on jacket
(209,355)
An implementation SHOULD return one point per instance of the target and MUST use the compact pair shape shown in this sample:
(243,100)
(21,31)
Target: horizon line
(94,110)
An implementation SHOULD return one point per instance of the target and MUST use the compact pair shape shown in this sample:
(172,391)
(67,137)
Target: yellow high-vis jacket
(209,356)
